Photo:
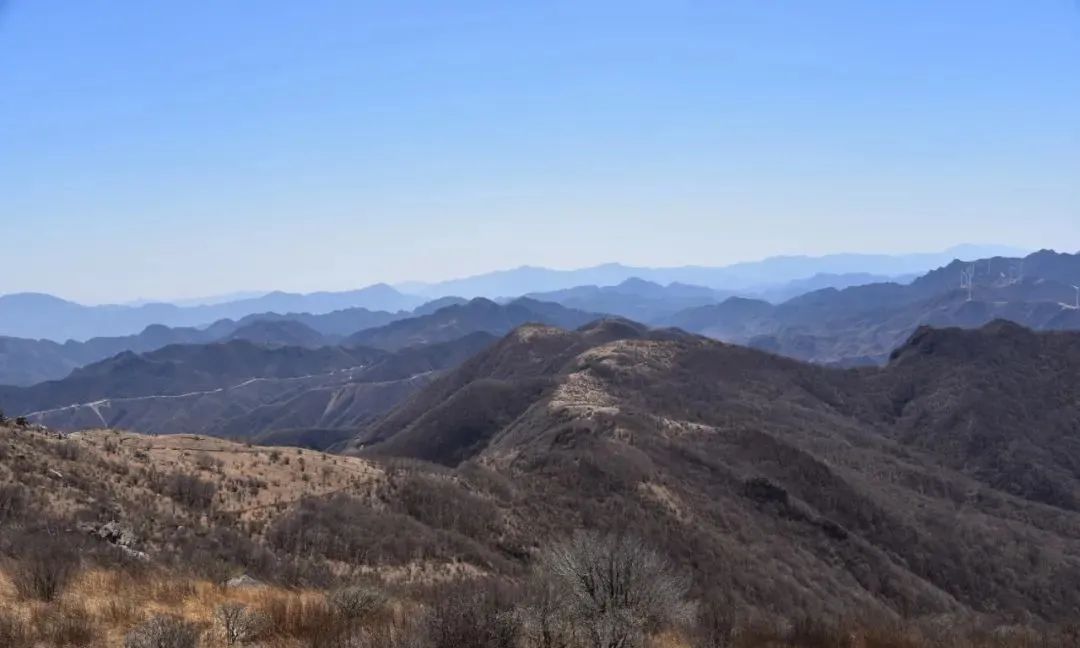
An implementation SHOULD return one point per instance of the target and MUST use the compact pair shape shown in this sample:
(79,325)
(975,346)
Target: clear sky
(173,148)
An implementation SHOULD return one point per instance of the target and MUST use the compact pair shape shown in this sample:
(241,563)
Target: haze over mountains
(37,316)
(271,373)
(863,324)
(258,367)
(27,361)
(941,479)
(840,324)
(747,277)
(32,315)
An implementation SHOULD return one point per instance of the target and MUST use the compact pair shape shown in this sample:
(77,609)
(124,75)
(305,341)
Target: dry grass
(104,605)
(101,606)
(107,596)
(272,477)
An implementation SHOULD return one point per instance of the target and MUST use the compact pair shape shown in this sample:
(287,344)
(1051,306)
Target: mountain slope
(279,333)
(804,487)
(998,403)
(636,299)
(25,362)
(458,320)
(238,389)
(180,369)
(863,324)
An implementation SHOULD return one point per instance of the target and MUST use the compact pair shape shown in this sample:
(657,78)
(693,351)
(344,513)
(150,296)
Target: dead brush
(171,592)
(239,624)
(13,631)
(63,625)
(43,568)
(300,616)
(118,612)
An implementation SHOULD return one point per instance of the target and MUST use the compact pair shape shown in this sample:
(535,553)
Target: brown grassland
(198,512)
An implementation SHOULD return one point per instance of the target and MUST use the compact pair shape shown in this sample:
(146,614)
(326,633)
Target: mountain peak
(993,338)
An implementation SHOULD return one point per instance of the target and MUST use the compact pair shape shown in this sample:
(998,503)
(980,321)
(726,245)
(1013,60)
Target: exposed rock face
(243,581)
(117,534)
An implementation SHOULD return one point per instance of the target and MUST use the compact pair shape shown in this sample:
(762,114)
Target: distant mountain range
(39,316)
(270,375)
(745,278)
(634,298)
(458,320)
(238,389)
(863,324)
(27,361)
(924,471)
(853,318)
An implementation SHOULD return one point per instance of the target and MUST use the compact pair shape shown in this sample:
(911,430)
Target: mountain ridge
(749,275)
(721,453)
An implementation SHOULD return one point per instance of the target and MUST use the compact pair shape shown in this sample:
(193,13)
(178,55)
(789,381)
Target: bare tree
(163,632)
(613,591)
(238,624)
(544,620)
(358,602)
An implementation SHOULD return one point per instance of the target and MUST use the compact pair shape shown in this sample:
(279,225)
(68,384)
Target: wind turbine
(967,279)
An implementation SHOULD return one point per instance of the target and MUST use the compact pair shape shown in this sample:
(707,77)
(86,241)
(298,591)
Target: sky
(174,149)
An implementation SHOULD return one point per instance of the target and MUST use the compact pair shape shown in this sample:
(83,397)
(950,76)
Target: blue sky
(175,149)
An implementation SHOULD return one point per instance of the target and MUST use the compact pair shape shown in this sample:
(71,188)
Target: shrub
(14,499)
(444,504)
(163,632)
(544,623)
(298,617)
(12,632)
(357,602)
(204,462)
(476,614)
(62,626)
(715,627)
(188,490)
(615,591)
(43,568)
(67,450)
(239,624)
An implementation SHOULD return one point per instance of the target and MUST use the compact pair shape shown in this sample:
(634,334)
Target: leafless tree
(163,632)
(357,602)
(239,624)
(544,620)
(613,591)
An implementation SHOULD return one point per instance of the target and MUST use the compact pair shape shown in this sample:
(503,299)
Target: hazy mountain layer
(863,324)
(35,316)
(458,320)
(237,389)
(749,276)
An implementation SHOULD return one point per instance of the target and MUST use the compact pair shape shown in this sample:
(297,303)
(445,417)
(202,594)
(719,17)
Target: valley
(876,452)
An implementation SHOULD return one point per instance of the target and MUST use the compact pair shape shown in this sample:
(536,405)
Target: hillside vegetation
(113,539)
(752,500)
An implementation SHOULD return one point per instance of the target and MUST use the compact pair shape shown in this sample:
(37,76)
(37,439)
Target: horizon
(406,287)
(174,151)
